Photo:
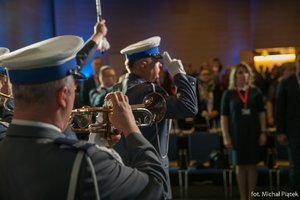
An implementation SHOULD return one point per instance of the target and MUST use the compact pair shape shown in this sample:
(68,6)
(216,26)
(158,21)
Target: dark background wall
(192,30)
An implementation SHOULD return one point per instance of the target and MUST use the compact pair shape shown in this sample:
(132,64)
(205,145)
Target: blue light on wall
(87,70)
(79,20)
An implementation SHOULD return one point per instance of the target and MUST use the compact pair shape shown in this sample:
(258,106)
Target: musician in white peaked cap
(143,63)
(40,162)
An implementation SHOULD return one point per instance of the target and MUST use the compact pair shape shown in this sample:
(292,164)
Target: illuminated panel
(267,58)
(282,57)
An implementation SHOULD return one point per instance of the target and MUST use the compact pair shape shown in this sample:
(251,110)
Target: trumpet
(95,119)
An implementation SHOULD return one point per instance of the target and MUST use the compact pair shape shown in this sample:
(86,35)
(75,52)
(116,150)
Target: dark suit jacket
(288,122)
(33,167)
(288,107)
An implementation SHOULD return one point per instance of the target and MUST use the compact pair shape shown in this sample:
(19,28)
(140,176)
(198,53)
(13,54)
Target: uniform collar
(35,123)
(24,128)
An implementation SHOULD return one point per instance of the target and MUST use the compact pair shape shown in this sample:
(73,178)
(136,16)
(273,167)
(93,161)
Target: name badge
(246,111)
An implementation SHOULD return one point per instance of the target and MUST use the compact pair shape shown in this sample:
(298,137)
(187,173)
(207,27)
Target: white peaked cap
(48,60)
(142,49)
(3,51)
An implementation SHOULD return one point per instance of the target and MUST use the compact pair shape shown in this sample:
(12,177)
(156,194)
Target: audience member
(243,126)
(288,118)
(92,82)
(107,78)
(209,99)
(217,68)
(259,80)
(277,75)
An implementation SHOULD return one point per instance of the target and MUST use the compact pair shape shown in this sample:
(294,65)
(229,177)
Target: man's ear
(61,97)
(143,65)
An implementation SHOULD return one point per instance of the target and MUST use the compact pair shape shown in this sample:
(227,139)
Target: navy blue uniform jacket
(183,105)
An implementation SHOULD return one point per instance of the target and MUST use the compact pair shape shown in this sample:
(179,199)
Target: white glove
(174,66)
(104,45)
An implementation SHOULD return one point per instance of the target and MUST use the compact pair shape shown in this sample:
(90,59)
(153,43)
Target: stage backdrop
(193,30)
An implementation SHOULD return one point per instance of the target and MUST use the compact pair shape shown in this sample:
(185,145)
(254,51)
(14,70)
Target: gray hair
(38,93)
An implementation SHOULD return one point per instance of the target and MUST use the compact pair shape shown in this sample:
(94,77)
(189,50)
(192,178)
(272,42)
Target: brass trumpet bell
(152,110)
(156,104)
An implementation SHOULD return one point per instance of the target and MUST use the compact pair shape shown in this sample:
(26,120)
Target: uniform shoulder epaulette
(76,144)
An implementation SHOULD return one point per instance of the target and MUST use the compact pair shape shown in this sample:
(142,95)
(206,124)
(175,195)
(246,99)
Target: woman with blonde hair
(243,126)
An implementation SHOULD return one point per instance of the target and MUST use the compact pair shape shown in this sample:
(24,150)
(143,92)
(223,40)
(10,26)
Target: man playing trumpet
(40,162)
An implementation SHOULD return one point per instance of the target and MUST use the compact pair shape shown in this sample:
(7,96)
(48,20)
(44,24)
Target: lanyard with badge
(244,99)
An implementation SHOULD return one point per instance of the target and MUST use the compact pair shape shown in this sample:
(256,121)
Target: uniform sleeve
(144,178)
(281,108)
(86,53)
(225,103)
(185,103)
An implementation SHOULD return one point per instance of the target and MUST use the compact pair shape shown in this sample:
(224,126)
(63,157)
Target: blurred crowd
(212,80)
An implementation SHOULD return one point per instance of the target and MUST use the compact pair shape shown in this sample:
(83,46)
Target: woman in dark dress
(243,126)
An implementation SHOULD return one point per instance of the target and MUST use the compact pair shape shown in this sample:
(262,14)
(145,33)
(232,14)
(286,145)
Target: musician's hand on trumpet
(121,116)
(121,120)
